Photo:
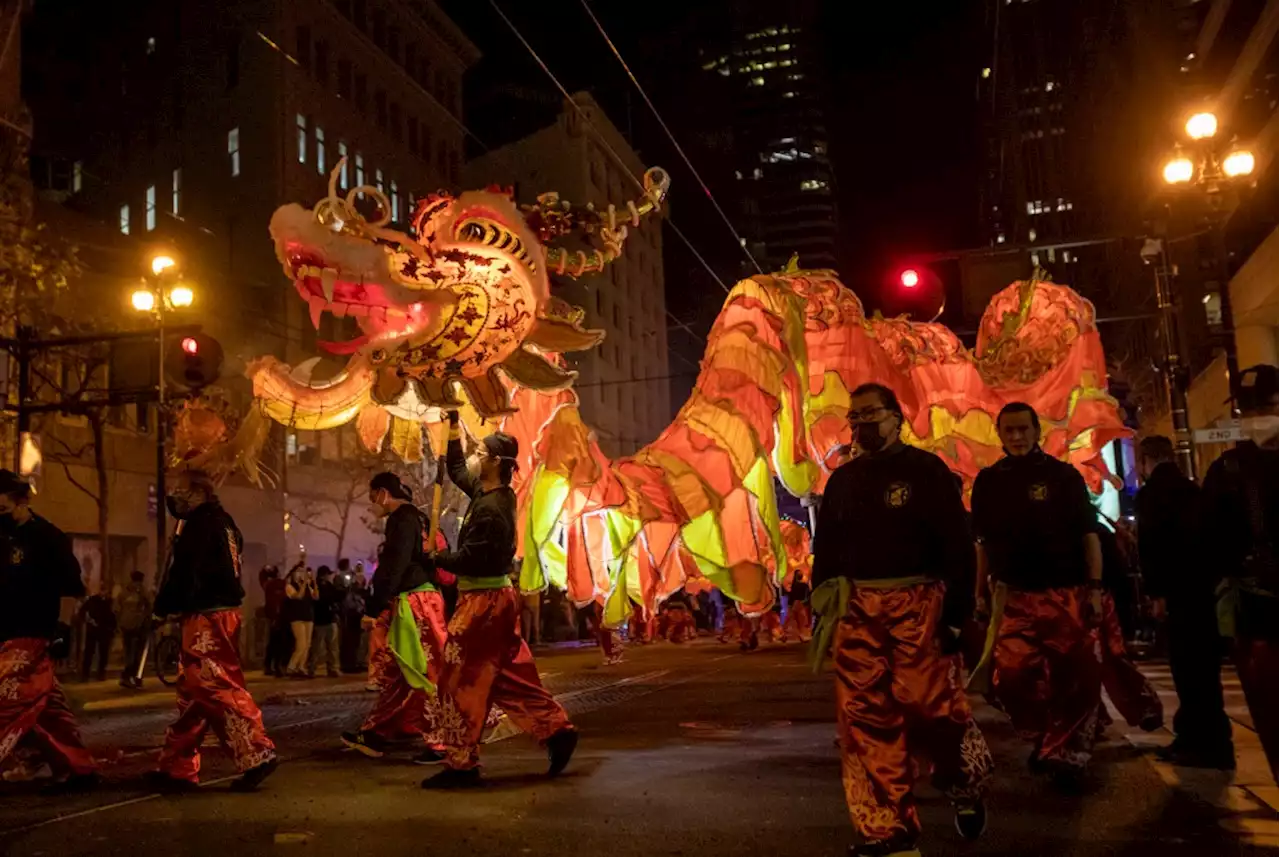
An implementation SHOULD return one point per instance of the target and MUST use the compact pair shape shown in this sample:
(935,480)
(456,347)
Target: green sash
(830,601)
(980,678)
(404,639)
(471,584)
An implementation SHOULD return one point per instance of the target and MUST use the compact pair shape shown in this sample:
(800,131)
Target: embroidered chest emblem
(1039,492)
(897,495)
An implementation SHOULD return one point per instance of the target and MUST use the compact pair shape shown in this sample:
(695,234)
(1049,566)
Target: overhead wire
(741,242)
(582,114)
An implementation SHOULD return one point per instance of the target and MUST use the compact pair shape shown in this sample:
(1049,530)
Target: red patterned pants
(771,626)
(609,639)
(487,662)
(1257,667)
(639,628)
(1134,697)
(898,696)
(212,695)
(799,622)
(401,710)
(1048,672)
(34,711)
(676,624)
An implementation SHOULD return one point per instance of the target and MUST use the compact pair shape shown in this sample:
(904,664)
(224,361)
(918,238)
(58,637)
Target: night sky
(902,116)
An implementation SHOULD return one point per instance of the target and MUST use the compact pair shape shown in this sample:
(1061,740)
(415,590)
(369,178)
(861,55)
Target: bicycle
(164,648)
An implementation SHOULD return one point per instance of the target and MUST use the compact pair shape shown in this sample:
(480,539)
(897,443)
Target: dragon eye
(378,355)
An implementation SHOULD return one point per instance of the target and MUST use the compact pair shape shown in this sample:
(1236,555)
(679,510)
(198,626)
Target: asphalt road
(686,750)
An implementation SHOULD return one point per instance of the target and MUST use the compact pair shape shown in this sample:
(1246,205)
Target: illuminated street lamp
(143,300)
(1179,169)
(1238,163)
(1202,126)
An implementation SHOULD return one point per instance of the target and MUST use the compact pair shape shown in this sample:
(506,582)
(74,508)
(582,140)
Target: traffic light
(193,360)
(910,278)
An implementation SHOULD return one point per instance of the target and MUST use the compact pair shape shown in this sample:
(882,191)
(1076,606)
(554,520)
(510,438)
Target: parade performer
(407,605)
(892,572)
(202,586)
(642,627)
(675,619)
(1036,541)
(486,661)
(1134,697)
(39,582)
(610,639)
(1240,515)
(1179,578)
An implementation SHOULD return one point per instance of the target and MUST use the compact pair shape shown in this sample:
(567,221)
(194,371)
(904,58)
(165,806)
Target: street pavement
(694,750)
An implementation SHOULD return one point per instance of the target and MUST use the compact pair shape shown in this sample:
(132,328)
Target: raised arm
(456,460)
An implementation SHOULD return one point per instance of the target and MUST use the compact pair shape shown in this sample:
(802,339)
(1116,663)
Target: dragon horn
(612,233)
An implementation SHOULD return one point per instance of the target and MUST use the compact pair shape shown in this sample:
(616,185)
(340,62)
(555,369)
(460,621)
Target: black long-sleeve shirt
(401,561)
(1239,513)
(1168,507)
(204,571)
(37,570)
(896,513)
(487,540)
(1032,514)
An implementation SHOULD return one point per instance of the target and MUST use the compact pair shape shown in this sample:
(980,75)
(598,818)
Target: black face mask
(868,437)
(180,512)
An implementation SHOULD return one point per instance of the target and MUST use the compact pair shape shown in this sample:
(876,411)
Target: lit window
(1048,87)
(1031,208)
(177,191)
(1051,254)
(1000,238)
(757,81)
(319,150)
(151,45)
(1066,255)
(233,149)
(77,176)
(151,207)
(757,173)
(124,219)
(786,141)
(724,71)
(302,139)
(788,95)
(377,179)
(986,72)
(795,77)
(342,174)
(737,174)
(1031,236)
(395,201)
(785,46)
(359,169)
(1035,259)
(812,184)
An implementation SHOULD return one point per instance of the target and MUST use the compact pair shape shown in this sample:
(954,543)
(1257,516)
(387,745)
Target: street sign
(152,504)
(1226,431)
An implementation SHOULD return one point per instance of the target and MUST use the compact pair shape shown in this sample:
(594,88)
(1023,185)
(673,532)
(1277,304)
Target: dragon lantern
(464,303)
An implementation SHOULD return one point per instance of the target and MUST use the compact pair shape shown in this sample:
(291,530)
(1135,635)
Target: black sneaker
(74,784)
(453,778)
(971,818)
(252,778)
(1151,722)
(1182,755)
(896,847)
(367,743)
(169,785)
(560,747)
(429,756)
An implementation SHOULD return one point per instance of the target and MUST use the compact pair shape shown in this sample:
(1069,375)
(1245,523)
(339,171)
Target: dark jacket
(37,570)
(402,565)
(487,540)
(204,569)
(896,513)
(1240,513)
(1168,512)
(1032,514)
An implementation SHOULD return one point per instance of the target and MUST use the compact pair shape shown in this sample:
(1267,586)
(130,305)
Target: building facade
(181,127)
(622,385)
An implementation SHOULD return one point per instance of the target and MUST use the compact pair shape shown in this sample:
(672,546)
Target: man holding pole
(486,661)
(406,604)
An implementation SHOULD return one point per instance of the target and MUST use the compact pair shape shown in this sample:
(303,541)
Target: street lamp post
(1214,171)
(159,294)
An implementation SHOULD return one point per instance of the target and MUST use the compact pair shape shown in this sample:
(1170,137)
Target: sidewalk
(110,696)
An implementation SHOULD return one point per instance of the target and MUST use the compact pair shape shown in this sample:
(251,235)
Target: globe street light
(1179,170)
(162,263)
(181,296)
(143,300)
(1238,163)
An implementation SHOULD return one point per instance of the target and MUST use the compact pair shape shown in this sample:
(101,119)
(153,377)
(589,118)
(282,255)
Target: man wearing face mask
(1240,514)
(406,604)
(1035,527)
(202,586)
(893,566)
(486,661)
(39,584)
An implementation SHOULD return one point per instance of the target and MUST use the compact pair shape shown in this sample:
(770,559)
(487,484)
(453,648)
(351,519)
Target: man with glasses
(891,533)
(1037,542)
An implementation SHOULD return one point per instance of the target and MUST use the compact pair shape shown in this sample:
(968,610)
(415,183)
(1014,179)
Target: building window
(151,45)
(233,62)
(424,151)
(322,63)
(377,179)
(304,48)
(302,139)
(395,120)
(359,169)
(342,173)
(344,78)
(362,93)
(77,176)
(177,192)
(151,207)
(395,201)
(319,150)
(380,108)
(233,149)
(124,219)
(813,184)
(413,135)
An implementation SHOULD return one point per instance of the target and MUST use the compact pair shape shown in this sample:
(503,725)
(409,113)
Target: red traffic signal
(910,278)
(193,361)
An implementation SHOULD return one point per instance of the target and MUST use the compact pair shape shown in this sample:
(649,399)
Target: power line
(600,137)
(741,242)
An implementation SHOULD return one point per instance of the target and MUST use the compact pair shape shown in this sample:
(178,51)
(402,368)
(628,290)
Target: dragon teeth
(317,309)
(328,279)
